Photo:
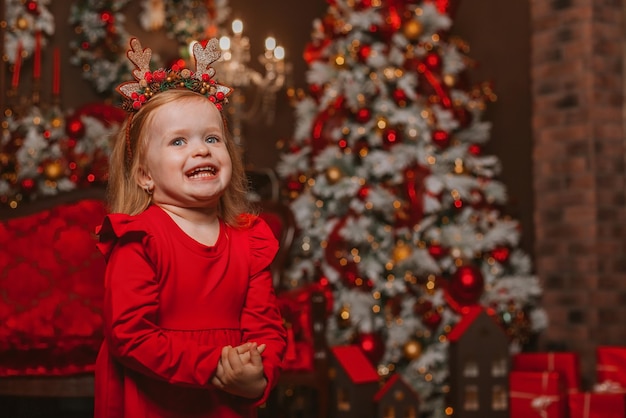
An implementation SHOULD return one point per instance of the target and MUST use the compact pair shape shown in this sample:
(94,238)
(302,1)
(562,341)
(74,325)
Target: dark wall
(497,32)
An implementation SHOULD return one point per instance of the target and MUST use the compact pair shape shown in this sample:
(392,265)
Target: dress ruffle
(114,227)
(263,246)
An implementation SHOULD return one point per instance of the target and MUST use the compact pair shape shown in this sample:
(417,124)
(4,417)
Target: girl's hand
(240,371)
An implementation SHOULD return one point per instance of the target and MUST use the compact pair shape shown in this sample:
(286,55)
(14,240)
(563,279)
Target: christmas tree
(399,209)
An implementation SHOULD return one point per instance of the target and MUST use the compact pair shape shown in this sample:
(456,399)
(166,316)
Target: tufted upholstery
(51,287)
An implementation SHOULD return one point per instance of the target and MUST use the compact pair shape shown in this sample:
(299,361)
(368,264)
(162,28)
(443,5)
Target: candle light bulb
(237,27)
(224,43)
(270,43)
(279,53)
(191,44)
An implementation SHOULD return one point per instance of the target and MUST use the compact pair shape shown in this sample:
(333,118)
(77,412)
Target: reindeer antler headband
(148,83)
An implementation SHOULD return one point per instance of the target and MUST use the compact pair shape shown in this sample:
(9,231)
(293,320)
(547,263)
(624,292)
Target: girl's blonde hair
(124,194)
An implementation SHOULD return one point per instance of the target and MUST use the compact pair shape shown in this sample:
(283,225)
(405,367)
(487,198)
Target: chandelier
(259,88)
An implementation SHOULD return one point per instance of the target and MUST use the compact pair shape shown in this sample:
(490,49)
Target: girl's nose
(202,149)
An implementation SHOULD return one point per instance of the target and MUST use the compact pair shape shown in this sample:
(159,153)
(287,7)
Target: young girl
(191,325)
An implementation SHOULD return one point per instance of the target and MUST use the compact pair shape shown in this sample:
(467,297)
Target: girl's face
(186,162)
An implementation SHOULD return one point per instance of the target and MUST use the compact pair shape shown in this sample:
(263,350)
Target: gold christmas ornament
(56,122)
(412,350)
(333,174)
(412,30)
(53,170)
(401,252)
(22,23)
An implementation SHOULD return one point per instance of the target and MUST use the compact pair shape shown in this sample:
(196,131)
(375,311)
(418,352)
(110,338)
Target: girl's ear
(144,180)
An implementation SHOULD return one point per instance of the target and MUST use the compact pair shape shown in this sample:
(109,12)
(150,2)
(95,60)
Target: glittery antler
(141,58)
(148,83)
(204,58)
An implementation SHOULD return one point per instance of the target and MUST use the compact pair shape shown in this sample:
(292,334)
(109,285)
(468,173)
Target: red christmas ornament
(364,192)
(315,90)
(441,138)
(433,61)
(399,96)
(465,287)
(27,185)
(391,137)
(363,115)
(294,185)
(107,17)
(475,149)
(32,7)
(75,127)
(364,52)
(422,306)
(432,319)
(372,345)
(437,251)
(501,254)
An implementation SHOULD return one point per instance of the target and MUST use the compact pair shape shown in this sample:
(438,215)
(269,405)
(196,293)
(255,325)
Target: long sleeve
(261,320)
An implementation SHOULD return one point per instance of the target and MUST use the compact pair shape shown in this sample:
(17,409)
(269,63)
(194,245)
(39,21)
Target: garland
(24,19)
(46,152)
(101,42)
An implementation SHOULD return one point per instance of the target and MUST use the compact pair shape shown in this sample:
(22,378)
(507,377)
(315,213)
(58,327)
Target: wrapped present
(565,363)
(611,368)
(597,405)
(537,395)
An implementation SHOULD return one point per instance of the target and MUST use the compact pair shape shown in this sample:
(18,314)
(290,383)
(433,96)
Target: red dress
(171,304)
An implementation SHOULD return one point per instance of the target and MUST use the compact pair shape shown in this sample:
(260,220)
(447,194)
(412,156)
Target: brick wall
(579,172)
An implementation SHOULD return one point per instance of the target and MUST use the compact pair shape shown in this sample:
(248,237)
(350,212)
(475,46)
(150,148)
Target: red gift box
(611,366)
(565,363)
(597,405)
(536,395)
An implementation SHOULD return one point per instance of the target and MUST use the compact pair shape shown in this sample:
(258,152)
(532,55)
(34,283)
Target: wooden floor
(37,407)
(28,407)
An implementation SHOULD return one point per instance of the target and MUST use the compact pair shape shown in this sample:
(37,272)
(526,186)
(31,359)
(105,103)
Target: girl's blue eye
(178,141)
(211,140)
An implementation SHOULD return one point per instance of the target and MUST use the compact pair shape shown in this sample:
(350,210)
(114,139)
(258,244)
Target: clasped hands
(240,371)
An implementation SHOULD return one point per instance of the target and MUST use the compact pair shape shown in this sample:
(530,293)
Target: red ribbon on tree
(414,189)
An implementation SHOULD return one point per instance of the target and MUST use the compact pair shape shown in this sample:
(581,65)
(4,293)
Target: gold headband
(148,83)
